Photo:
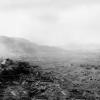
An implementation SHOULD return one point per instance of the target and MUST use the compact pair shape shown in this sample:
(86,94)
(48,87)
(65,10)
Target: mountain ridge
(23,48)
(20,46)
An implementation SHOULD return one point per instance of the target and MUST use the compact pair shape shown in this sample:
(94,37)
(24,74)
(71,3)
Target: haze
(51,22)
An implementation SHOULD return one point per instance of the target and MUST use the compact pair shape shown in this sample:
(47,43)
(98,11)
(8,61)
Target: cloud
(26,4)
(21,4)
(51,22)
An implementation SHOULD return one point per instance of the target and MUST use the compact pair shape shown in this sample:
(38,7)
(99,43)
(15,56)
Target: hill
(22,48)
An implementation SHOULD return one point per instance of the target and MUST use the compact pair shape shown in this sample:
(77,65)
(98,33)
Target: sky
(51,22)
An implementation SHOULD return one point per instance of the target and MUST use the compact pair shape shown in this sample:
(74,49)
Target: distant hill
(22,47)
(19,47)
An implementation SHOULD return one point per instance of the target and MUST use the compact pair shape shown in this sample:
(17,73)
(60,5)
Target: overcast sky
(51,22)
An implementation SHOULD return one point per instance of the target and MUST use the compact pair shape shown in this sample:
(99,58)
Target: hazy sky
(51,22)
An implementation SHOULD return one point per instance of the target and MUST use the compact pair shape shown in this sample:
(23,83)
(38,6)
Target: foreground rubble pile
(20,80)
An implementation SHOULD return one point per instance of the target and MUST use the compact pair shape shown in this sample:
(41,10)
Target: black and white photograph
(49,49)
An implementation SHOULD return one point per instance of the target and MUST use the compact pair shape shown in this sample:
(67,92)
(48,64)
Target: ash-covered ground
(21,80)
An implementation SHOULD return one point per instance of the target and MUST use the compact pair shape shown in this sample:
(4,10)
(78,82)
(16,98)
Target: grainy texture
(20,80)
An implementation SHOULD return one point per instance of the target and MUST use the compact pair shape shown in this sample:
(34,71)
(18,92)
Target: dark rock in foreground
(20,80)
